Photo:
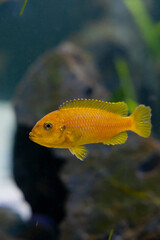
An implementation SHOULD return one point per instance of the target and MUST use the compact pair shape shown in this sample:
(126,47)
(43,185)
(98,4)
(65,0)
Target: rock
(36,172)
(110,189)
(106,191)
(60,74)
(9,221)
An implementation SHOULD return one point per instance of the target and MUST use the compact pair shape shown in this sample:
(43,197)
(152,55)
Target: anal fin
(117,139)
(80,152)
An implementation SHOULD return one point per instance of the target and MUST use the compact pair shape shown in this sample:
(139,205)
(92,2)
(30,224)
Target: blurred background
(56,50)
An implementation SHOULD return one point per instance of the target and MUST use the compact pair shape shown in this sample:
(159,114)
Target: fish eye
(48,125)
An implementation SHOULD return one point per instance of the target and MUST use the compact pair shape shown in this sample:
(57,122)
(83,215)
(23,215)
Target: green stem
(110,235)
(23,7)
(145,24)
(126,84)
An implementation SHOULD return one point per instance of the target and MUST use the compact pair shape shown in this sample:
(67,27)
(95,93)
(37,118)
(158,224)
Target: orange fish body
(81,122)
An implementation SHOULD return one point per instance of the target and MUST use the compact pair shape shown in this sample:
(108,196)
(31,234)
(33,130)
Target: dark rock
(106,191)
(61,74)
(9,221)
(36,172)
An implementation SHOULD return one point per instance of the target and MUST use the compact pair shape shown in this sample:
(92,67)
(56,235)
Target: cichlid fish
(80,122)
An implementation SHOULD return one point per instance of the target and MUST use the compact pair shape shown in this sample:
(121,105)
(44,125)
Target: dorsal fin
(118,107)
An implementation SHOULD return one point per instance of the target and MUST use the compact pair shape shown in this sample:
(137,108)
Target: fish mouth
(32,136)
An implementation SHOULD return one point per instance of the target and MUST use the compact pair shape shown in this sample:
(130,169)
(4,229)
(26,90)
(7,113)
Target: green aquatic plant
(150,32)
(23,7)
(127,86)
(110,235)
(148,195)
(145,25)
(127,189)
(157,26)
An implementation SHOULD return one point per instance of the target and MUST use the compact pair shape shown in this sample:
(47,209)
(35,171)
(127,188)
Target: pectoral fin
(72,136)
(118,139)
(80,152)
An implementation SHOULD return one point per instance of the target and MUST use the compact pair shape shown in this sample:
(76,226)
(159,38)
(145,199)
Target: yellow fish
(79,122)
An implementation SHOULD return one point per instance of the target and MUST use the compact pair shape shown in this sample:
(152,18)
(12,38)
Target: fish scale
(98,125)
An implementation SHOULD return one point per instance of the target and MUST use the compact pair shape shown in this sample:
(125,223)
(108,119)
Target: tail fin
(142,121)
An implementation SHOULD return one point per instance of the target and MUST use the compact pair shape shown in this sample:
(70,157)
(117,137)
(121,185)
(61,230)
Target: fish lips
(32,137)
